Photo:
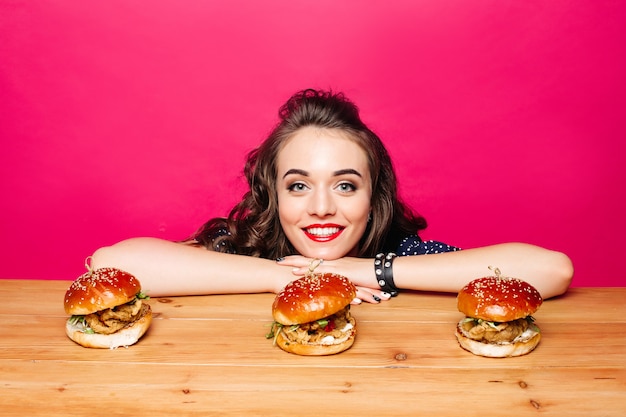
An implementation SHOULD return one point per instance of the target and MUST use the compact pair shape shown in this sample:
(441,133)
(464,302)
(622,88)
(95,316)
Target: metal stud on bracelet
(384,272)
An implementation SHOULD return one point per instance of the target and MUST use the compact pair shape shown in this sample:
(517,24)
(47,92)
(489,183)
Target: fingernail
(376,298)
(280,259)
(357,301)
(385,294)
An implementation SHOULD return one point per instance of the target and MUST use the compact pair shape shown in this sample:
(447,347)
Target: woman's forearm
(167,268)
(548,271)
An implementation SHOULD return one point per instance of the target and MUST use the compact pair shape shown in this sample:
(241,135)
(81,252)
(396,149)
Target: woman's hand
(360,271)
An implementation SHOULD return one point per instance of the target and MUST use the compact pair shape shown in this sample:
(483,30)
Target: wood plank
(243,342)
(29,388)
(416,307)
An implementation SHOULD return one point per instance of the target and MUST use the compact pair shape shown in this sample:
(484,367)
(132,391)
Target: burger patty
(313,332)
(113,319)
(484,331)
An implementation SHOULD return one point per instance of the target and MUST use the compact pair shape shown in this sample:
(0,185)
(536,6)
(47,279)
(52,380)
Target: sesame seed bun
(100,289)
(498,299)
(312,297)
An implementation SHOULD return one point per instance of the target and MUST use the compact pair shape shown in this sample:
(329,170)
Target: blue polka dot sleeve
(413,245)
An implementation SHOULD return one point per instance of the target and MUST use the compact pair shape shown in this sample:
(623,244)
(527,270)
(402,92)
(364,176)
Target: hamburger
(498,320)
(107,309)
(312,315)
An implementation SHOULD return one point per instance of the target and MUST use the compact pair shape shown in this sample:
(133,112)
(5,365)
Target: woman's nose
(322,203)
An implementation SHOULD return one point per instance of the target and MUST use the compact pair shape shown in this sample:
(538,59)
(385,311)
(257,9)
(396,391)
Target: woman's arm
(548,271)
(167,268)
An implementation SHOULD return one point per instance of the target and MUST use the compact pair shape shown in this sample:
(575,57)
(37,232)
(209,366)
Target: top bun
(498,299)
(312,297)
(100,289)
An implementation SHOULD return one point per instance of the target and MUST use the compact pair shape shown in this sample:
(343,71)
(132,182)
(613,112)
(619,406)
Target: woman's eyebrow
(347,171)
(295,171)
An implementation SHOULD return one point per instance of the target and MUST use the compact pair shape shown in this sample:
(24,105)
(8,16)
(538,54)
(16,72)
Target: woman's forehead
(318,147)
(322,151)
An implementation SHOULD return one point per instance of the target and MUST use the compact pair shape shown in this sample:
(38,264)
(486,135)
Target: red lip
(323,232)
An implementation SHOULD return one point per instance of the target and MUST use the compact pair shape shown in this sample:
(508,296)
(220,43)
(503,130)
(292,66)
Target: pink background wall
(119,119)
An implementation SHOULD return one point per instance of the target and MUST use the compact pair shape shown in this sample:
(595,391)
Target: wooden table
(209,356)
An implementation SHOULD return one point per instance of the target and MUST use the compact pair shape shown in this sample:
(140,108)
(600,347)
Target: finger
(304,266)
(296,261)
(299,271)
(367,296)
(370,295)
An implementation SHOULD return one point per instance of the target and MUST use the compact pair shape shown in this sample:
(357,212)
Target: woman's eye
(346,187)
(297,186)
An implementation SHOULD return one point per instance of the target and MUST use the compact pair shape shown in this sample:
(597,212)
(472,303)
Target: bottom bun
(125,337)
(493,350)
(314,349)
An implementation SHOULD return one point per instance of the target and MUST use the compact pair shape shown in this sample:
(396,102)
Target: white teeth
(323,231)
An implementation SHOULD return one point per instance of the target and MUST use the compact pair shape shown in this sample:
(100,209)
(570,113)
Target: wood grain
(208,355)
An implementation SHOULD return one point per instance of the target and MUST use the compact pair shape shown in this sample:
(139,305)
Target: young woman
(323,194)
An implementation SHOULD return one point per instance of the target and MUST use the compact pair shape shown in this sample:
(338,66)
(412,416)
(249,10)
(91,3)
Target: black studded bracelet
(384,272)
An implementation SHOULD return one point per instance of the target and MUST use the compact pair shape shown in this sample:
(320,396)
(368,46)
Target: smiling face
(324,191)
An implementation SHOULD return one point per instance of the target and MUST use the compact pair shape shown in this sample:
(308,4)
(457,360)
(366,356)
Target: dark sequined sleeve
(219,244)
(413,245)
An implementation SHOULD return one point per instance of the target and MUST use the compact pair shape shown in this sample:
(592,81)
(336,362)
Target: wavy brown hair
(252,227)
